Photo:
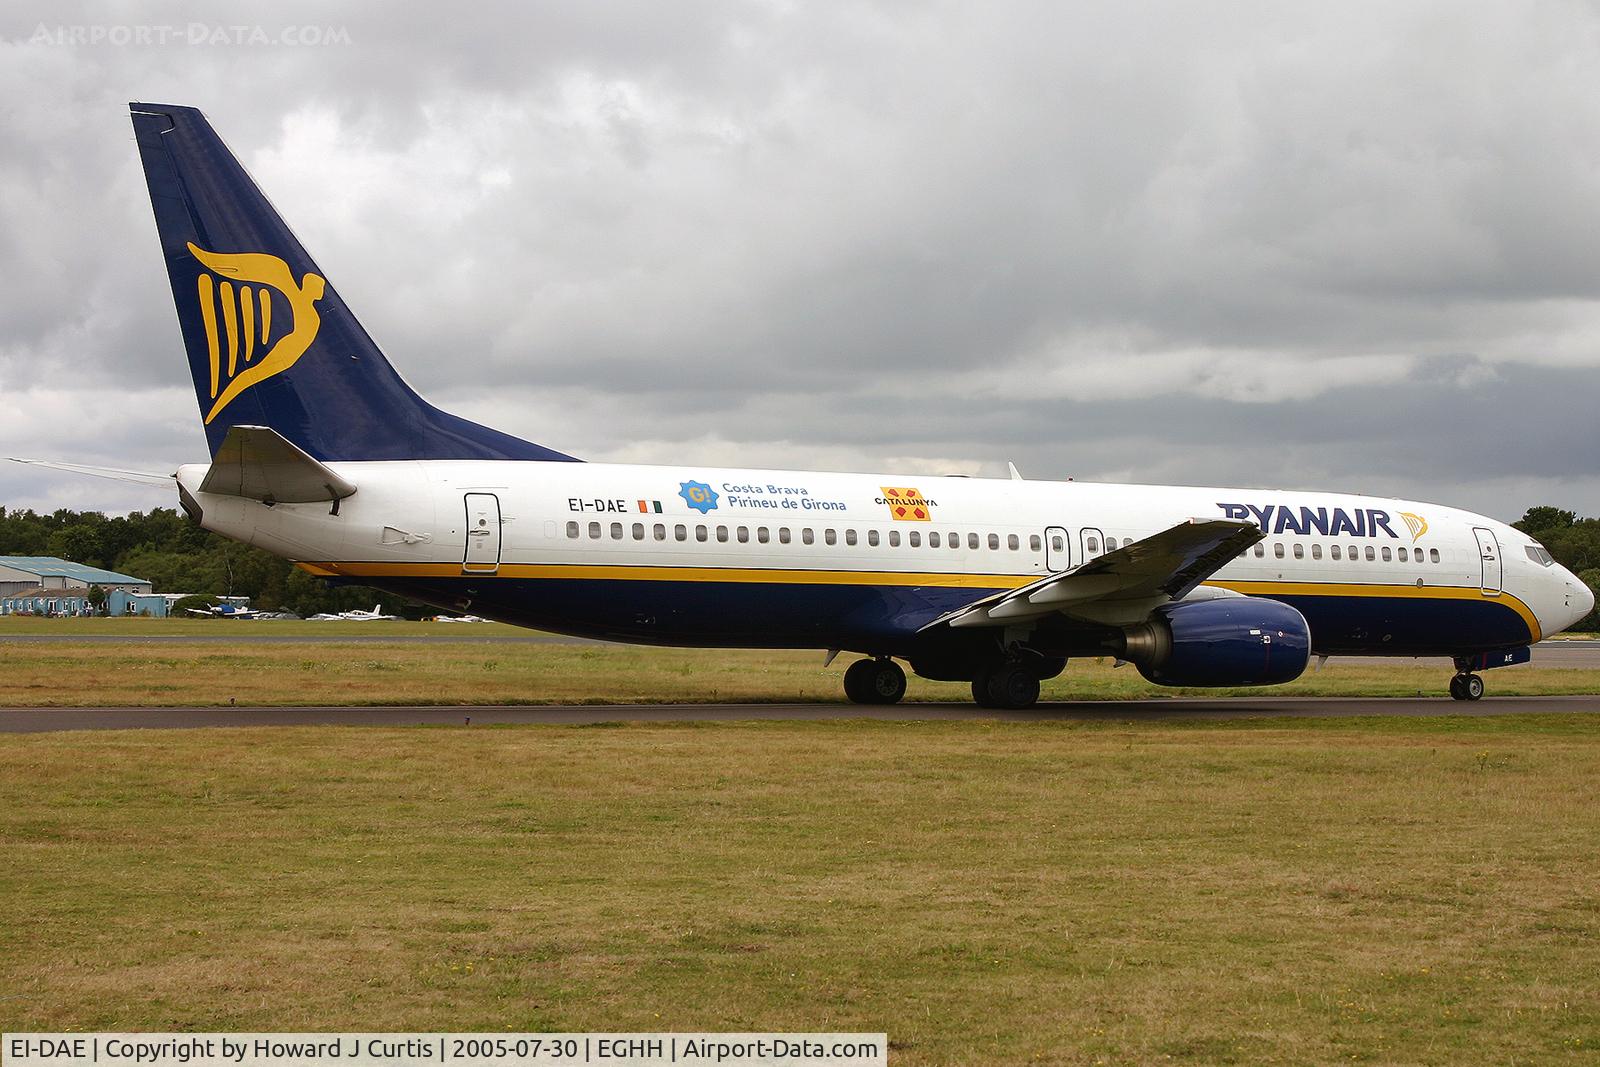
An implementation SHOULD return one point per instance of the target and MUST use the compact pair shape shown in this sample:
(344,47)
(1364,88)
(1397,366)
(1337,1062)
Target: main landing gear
(1466,686)
(875,681)
(1009,685)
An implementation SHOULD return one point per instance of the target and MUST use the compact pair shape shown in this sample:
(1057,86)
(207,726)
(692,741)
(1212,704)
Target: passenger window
(743,533)
(807,537)
(1057,544)
(638,531)
(972,541)
(700,533)
(763,534)
(1092,546)
(1035,543)
(680,533)
(994,542)
(872,538)
(1316,551)
(1386,555)
(894,538)
(1403,554)
(1371,555)
(594,531)
(1334,552)
(1355,552)
(1261,550)
(722,534)
(660,532)
(914,538)
(830,536)
(1013,542)
(1111,543)
(783,535)
(933,539)
(616,531)
(1433,555)
(955,540)
(1299,551)
(572,529)
(1277,550)
(850,537)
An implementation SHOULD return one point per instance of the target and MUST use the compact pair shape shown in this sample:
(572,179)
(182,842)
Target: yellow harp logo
(244,292)
(1416,524)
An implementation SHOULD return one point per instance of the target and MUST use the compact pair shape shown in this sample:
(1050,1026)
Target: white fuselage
(689,555)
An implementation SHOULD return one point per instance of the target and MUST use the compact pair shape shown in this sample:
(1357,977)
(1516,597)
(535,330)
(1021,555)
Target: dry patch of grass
(1319,891)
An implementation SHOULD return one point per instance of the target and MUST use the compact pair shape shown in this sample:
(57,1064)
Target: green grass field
(1382,891)
(467,669)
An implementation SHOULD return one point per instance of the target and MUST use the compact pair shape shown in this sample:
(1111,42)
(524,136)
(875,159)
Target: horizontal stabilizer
(256,462)
(116,474)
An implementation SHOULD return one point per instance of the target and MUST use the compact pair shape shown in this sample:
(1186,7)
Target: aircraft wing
(1120,587)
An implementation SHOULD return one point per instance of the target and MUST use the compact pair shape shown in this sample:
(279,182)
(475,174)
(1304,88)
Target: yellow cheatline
(684,574)
(1409,592)
(208,315)
(570,571)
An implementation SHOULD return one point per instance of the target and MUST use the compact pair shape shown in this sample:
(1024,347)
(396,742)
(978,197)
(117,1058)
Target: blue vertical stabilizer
(269,340)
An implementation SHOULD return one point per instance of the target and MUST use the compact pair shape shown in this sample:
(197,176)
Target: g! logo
(699,496)
(245,287)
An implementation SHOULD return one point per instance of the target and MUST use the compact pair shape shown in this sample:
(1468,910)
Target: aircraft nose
(1582,599)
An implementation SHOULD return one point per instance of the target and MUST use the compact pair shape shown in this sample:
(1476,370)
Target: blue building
(45,585)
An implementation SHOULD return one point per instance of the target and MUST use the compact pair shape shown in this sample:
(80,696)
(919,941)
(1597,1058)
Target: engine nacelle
(1231,641)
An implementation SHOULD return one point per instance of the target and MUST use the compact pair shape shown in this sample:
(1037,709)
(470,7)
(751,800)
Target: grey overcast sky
(1349,246)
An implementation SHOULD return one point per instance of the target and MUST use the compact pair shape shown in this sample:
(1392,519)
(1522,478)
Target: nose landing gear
(1466,686)
(874,681)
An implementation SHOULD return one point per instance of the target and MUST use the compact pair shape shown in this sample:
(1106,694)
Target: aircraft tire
(874,681)
(980,690)
(1472,687)
(887,682)
(1011,686)
(857,682)
(1455,688)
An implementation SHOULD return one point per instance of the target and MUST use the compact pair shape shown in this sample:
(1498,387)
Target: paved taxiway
(38,720)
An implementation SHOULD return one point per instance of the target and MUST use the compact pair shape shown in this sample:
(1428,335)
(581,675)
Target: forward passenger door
(1489,555)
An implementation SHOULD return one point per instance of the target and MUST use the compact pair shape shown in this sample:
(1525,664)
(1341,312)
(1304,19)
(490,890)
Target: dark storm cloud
(1223,243)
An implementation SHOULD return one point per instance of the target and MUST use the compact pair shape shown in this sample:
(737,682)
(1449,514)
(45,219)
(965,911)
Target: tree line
(178,556)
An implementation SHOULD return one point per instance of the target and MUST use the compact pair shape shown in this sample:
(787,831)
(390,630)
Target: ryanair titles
(1329,522)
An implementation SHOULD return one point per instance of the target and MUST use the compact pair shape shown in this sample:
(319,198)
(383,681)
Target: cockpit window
(1539,555)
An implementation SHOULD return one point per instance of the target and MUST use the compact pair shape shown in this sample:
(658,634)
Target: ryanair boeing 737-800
(322,454)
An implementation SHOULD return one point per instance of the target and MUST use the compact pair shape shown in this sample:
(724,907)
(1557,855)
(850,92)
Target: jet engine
(1237,640)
